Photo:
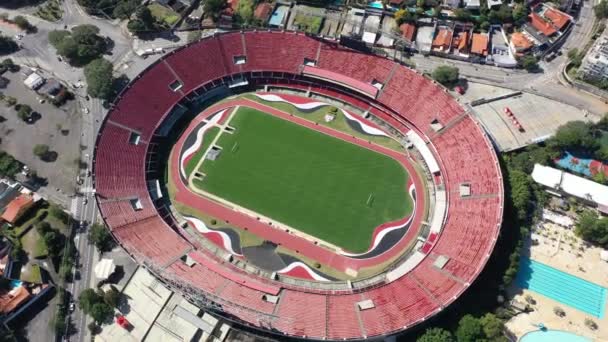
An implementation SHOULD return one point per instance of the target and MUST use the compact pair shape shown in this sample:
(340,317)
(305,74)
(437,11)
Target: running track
(295,243)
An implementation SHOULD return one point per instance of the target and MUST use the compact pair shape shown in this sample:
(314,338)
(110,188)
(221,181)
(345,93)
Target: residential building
(520,43)
(541,25)
(408,31)
(12,299)
(595,64)
(262,11)
(461,43)
(443,40)
(17,208)
(559,19)
(479,44)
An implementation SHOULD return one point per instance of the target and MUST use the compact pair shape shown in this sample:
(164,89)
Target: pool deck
(559,248)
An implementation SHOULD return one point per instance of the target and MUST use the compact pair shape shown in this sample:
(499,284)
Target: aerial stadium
(298,187)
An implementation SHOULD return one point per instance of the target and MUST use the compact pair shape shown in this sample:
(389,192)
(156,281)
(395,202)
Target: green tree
(10,65)
(41,150)
(125,9)
(101,237)
(143,21)
(520,14)
(600,177)
(530,63)
(23,23)
(519,183)
(24,112)
(80,46)
(87,299)
(575,57)
(575,135)
(101,312)
(112,297)
(9,166)
(601,10)
(99,78)
(469,329)
(7,45)
(213,8)
(436,335)
(58,213)
(462,14)
(592,228)
(244,11)
(446,75)
(492,326)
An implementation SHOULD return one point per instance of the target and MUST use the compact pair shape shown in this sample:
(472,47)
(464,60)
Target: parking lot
(59,128)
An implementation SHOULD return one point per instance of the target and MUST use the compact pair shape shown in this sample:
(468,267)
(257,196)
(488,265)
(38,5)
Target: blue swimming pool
(15,283)
(562,287)
(277,16)
(552,336)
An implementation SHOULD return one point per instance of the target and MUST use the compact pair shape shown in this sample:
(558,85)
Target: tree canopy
(592,228)
(99,78)
(446,75)
(601,10)
(110,8)
(7,45)
(80,46)
(575,135)
(142,22)
(469,329)
(530,63)
(214,8)
(93,303)
(41,150)
(436,335)
(101,238)
(9,166)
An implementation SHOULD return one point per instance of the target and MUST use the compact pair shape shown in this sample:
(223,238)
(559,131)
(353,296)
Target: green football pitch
(315,183)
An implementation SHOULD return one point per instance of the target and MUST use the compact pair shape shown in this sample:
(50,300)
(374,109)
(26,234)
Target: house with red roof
(479,44)
(559,19)
(443,40)
(262,11)
(541,25)
(408,31)
(17,208)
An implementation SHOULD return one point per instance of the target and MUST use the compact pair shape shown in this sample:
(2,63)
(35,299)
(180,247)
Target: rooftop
(17,207)
(542,25)
(480,44)
(408,31)
(520,41)
(558,18)
(443,38)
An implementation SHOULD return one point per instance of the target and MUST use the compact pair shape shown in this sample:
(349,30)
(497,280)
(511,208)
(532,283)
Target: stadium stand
(406,100)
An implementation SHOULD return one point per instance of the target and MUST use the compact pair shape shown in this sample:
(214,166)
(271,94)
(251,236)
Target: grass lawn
(310,24)
(164,14)
(308,180)
(31,273)
(339,123)
(208,137)
(33,244)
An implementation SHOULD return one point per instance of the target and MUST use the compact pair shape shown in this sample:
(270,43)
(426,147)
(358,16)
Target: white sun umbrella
(104,268)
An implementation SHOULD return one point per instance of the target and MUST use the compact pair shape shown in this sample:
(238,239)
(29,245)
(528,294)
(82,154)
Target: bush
(23,23)
(446,75)
(530,63)
(41,150)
